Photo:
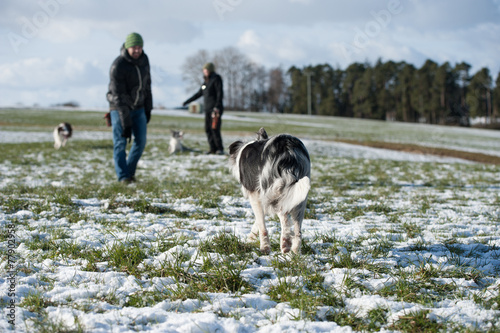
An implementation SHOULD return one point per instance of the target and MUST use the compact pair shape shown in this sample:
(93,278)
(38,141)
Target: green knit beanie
(209,67)
(133,39)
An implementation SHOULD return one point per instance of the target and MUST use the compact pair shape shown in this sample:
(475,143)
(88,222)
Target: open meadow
(393,241)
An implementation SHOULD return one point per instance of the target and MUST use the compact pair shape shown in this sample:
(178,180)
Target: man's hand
(127,133)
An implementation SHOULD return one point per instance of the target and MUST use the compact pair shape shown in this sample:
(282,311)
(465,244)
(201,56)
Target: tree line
(434,93)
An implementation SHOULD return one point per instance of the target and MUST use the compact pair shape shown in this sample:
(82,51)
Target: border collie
(274,174)
(62,133)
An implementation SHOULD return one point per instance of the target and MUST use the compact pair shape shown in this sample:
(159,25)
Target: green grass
(370,219)
(318,127)
(35,302)
(44,325)
(418,322)
(126,256)
(227,244)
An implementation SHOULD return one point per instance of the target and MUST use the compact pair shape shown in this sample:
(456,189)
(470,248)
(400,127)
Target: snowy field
(392,241)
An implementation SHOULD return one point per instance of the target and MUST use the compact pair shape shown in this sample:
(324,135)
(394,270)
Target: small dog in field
(62,133)
(175,144)
(275,176)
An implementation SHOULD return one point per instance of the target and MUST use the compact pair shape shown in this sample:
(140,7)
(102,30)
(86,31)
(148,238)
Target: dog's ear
(70,129)
(234,147)
(262,134)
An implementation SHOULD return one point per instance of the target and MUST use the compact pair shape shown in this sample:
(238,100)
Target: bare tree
(244,80)
(231,64)
(243,87)
(192,69)
(277,90)
(258,88)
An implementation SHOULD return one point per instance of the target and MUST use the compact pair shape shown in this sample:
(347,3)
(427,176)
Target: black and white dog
(275,176)
(62,133)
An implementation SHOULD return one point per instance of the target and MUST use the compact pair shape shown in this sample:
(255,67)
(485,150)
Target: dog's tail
(296,194)
(284,196)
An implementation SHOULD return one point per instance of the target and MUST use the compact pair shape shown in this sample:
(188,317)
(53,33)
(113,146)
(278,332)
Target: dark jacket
(212,92)
(130,86)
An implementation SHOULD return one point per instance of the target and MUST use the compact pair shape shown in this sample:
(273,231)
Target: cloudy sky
(55,51)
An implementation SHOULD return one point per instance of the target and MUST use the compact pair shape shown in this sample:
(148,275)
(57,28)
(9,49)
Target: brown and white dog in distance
(62,133)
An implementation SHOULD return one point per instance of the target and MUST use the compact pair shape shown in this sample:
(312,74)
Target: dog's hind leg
(260,224)
(297,238)
(286,233)
(254,233)
(297,215)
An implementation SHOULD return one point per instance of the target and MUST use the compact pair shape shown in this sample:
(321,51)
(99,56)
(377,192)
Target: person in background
(212,92)
(130,103)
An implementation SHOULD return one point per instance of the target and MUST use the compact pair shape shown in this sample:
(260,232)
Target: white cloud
(249,39)
(286,46)
(66,31)
(71,51)
(47,72)
(290,51)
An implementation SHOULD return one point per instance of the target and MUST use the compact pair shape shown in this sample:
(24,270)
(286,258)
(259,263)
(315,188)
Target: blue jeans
(125,168)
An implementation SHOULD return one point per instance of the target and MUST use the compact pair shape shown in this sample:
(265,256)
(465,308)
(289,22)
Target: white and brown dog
(275,176)
(62,133)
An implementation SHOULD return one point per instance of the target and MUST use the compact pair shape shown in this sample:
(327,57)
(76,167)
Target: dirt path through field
(416,149)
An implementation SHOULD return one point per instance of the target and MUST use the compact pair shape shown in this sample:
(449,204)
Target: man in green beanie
(130,103)
(212,92)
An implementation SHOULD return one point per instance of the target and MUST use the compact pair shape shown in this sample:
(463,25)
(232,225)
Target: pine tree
(463,79)
(385,89)
(403,87)
(363,95)
(425,97)
(449,92)
(297,91)
(478,96)
(496,99)
(352,74)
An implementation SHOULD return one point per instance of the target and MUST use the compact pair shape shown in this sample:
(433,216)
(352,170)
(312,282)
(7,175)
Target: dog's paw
(296,246)
(266,249)
(286,244)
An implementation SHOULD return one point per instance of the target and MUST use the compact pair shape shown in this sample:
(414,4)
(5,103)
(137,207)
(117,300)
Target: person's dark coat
(130,86)
(212,93)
